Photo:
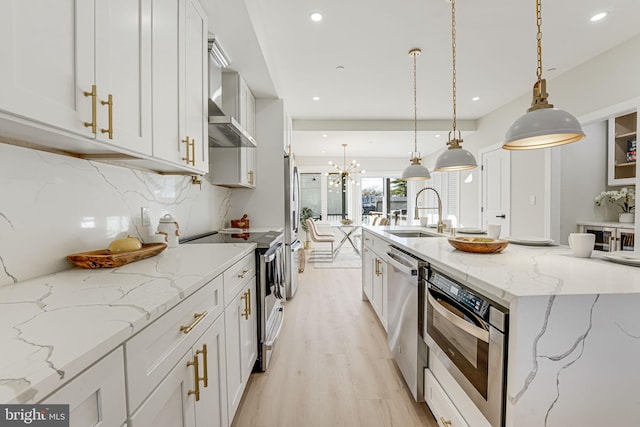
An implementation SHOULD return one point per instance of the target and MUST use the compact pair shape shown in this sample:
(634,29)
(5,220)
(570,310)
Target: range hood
(224,130)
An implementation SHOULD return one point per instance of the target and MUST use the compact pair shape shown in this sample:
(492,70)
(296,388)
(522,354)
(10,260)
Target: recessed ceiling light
(598,16)
(324,135)
(323,151)
(316,98)
(475,98)
(438,136)
(316,17)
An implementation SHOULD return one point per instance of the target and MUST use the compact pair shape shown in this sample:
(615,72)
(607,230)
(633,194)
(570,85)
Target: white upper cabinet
(110,80)
(47,61)
(238,101)
(179,83)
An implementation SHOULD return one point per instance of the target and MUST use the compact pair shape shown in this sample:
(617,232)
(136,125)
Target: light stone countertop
(608,224)
(55,326)
(519,271)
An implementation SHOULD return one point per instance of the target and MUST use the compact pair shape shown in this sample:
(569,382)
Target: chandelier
(345,173)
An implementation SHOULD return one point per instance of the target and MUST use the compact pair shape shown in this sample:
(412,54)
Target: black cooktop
(263,239)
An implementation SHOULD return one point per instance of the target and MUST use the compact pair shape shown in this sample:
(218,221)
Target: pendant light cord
(539,38)
(415,105)
(453,56)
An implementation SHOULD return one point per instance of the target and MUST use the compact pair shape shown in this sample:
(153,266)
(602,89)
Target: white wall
(53,206)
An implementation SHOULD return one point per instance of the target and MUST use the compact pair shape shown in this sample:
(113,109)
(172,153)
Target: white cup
(493,231)
(582,244)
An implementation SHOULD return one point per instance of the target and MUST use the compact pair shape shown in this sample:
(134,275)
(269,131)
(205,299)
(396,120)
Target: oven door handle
(479,333)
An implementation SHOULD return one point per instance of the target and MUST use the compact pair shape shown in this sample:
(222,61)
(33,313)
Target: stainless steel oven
(468,335)
(270,275)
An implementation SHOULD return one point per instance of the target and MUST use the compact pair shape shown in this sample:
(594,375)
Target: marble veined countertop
(53,327)
(520,271)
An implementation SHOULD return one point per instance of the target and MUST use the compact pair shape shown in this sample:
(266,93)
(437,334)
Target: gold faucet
(417,209)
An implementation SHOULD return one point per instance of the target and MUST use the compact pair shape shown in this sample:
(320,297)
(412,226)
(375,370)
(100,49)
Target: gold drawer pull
(445,423)
(197,318)
(244,273)
(203,352)
(251,177)
(186,141)
(196,374)
(94,109)
(109,103)
(193,152)
(247,304)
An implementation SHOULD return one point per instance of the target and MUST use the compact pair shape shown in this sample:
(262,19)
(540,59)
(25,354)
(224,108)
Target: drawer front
(152,353)
(441,406)
(237,276)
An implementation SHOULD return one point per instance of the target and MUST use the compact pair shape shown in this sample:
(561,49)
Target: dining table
(347,231)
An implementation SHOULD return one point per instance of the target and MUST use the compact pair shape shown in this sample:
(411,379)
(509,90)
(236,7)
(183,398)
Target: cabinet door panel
(211,410)
(96,397)
(167,93)
(123,69)
(47,61)
(196,82)
(169,405)
(233,324)
(250,335)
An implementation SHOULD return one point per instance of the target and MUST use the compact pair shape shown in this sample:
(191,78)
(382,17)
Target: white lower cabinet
(367,272)
(211,410)
(374,276)
(97,396)
(241,343)
(441,406)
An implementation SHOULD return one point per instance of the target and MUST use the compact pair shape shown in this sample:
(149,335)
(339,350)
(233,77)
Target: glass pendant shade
(455,159)
(543,128)
(415,171)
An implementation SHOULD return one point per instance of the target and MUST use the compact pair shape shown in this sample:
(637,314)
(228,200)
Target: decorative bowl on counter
(104,259)
(346,221)
(478,245)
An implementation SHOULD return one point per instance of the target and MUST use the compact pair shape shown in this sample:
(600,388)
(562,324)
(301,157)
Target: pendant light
(415,171)
(542,125)
(454,158)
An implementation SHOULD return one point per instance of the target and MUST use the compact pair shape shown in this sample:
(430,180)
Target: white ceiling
(281,52)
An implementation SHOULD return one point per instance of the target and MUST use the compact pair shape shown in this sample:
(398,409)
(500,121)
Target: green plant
(304,214)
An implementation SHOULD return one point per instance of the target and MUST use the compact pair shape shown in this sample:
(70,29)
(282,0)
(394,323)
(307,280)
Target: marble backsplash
(53,205)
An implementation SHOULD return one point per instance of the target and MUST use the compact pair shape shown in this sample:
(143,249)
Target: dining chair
(320,238)
(383,221)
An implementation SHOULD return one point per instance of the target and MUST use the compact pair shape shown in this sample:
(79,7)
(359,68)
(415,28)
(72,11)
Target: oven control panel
(459,293)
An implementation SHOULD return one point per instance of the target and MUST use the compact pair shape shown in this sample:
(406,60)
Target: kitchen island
(574,327)
(53,327)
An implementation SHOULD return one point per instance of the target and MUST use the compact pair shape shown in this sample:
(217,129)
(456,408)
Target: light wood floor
(332,366)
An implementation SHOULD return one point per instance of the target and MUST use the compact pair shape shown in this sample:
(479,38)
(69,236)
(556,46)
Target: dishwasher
(405,295)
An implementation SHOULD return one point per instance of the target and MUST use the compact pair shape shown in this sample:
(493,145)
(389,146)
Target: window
(447,185)
(311,193)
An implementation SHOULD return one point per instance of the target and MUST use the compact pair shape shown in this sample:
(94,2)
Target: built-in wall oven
(467,334)
(270,275)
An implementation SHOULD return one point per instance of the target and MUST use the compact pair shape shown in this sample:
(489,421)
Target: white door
(211,410)
(47,61)
(196,81)
(123,70)
(496,189)
(170,405)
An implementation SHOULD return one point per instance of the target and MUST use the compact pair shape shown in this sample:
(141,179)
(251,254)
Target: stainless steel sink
(411,233)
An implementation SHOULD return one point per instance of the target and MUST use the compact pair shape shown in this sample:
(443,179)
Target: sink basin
(410,233)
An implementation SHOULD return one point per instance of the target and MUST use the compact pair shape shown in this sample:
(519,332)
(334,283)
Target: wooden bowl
(104,259)
(478,245)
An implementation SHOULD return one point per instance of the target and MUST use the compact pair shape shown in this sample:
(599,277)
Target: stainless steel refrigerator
(291,224)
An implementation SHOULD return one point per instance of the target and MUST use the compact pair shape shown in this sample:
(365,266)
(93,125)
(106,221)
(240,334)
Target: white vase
(627,217)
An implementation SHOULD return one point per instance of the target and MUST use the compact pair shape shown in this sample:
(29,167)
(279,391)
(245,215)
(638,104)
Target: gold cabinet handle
(244,273)
(94,109)
(251,177)
(203,352)
(444,422)
(196,374)
(377,267)
(193,152)
(197,319)
(249,301)
(109,103)
(186,141)
(247,304)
